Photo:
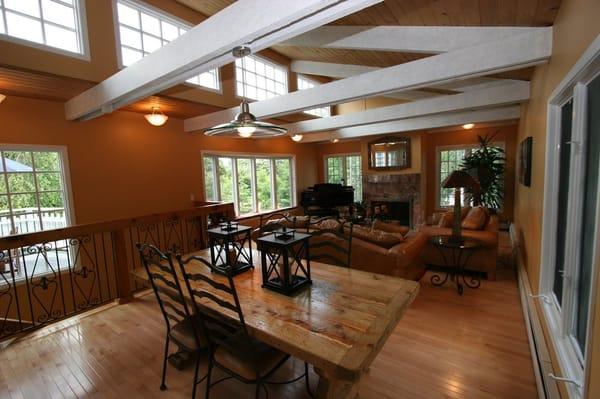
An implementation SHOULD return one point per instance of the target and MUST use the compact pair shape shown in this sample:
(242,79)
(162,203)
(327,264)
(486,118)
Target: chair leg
(196,376)
(257,391)
(164,370)
(208,375)
(307,380)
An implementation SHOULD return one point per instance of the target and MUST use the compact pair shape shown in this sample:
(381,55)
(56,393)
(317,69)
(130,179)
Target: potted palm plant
(486,164)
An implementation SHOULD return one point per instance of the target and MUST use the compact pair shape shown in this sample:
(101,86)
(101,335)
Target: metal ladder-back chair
(328,245)
(182,327)
(231,348)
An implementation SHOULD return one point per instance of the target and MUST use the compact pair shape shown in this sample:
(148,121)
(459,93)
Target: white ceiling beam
(333,70)
(346,70)
(511,93)
(407,39)
(420,123)
(515,52)
(259,23)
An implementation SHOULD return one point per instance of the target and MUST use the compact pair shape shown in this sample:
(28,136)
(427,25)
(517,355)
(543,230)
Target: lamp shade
(457,179)
(246,125)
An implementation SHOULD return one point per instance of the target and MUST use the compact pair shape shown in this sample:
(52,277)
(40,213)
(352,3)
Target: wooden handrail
(26,239)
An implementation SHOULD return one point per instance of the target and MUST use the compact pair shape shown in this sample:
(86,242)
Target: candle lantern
(227,247)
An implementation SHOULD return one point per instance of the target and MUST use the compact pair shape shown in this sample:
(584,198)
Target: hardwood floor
(446,346)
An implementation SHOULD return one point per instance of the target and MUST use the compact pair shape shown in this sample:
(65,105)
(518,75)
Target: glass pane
(354,175)
(18,161)
(49,181)
(263,182)
(169,31)
(29,7)
(2,27)
(130,37)
(26,223)
(151,44)
(128,16)
(283,172)
(563,194)
(21,182)
(130,56)
(23,203)
(3,204)
(226,179)
(58,13)
(244,181)
(54,218)
(335,170)
(24,28)
(209,180)
(51,200)
(590,216)
(150,24)
(47,161)
(61,38)
(2,184)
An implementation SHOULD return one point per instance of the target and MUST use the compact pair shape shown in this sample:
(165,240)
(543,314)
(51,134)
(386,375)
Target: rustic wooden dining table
(338,324)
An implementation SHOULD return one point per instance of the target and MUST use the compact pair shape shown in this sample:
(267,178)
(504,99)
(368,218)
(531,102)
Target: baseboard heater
(540,355)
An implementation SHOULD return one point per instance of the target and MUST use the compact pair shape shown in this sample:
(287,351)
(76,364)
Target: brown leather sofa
(482,260)
(400,260)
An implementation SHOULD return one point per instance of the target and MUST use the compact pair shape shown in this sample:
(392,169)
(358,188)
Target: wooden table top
(338,324)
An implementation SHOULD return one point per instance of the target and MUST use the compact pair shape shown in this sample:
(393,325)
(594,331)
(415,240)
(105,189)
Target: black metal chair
(183,328)
(231,348)
(330,245)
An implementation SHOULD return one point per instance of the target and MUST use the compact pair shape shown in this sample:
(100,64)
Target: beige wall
(575,27)
(121,166)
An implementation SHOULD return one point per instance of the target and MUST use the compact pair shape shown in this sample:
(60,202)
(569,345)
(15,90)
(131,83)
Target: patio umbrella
(14,166)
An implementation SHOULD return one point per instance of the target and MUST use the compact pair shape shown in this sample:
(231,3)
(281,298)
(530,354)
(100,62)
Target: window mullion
(217,179)
(236,197)
(273,185)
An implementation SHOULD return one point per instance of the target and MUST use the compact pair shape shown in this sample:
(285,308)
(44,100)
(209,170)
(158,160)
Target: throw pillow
(475,219)
(327,224)
(447,219)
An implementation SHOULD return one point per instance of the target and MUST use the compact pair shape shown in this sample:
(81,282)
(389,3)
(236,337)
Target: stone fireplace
(399,195)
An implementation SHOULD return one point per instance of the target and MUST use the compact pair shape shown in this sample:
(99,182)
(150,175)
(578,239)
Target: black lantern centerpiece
(285,260)
(227,244)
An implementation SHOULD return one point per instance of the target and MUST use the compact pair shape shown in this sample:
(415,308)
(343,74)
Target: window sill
(258,214)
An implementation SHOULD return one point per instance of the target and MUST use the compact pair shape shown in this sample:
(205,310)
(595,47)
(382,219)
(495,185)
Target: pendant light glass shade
(297,138)
(2,97)
(246,125)
(156,118)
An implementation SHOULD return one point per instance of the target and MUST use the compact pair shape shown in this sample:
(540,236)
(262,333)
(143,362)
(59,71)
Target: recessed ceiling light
(2,97)
(335,140)
(468,126)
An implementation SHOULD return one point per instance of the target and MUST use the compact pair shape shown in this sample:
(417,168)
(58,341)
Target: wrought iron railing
(49,275)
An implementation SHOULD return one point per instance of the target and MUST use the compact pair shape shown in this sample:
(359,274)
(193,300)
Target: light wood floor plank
(446,346)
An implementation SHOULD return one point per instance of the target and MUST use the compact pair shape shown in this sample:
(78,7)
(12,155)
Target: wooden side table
(456,255)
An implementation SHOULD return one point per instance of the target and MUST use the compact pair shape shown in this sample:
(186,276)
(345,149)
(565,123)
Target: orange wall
(121,166)
(431,141)
(575,27)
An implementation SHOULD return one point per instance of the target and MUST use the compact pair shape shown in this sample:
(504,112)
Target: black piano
(325,199)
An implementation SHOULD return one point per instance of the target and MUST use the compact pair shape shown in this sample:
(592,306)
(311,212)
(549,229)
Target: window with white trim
(53,23)
(306,83)
(32,190)
(347,170)
(259,79)
(571,231)
(448,160)
(254,183)
(143,30)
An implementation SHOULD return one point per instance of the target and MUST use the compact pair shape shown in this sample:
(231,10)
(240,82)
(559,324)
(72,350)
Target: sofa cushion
(377,237)
(390,227)
(327,224)
(475,219)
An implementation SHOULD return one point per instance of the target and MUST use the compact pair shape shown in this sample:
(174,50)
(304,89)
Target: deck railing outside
(48,275)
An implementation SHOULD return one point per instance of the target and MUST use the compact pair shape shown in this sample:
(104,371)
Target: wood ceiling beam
(405,39)
(531,48)
(420,123)
(259,23)
(510,93)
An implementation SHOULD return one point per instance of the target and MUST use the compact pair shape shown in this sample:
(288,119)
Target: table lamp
(457,180)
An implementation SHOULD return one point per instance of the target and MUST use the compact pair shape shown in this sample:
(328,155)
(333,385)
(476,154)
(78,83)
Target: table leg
(333,388)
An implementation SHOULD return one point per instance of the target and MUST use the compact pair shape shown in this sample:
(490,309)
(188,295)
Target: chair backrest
(166,286)
(211,286)
(331,245)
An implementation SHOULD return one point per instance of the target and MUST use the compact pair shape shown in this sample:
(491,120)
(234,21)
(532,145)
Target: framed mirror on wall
(389,153)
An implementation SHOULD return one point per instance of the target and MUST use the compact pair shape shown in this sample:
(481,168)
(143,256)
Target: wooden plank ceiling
(416,13)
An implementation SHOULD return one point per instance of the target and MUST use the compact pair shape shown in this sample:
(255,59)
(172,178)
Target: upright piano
(325,199)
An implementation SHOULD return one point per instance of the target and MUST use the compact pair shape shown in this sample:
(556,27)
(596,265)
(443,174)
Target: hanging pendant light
(156,118)
(245,124)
